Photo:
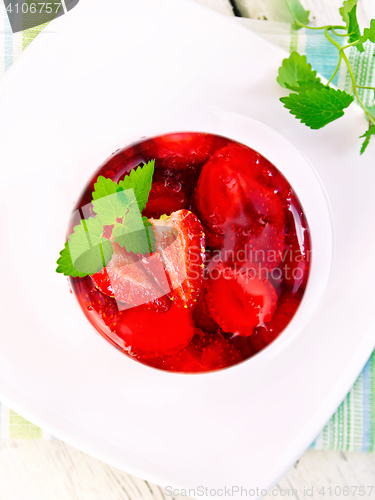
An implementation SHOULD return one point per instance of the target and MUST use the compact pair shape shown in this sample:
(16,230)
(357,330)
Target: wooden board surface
(52,470)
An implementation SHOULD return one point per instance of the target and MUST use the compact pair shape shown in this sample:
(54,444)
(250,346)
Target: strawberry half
(182,251)
(239,301)
(229,189)
(128,281)
(243,216)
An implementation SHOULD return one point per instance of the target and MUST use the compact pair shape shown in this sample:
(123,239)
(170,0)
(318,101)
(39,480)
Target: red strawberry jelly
(231,262)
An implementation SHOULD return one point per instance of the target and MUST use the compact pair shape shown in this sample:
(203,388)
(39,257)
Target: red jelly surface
(235,268)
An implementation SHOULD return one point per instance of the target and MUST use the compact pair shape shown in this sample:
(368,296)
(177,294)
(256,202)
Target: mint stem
(319,27)
(352,77)
(336,70)
(338,34)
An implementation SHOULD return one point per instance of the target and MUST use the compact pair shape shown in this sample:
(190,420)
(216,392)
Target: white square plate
(111,73)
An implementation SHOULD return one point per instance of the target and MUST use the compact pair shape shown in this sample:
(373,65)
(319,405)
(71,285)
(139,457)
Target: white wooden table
(52,470)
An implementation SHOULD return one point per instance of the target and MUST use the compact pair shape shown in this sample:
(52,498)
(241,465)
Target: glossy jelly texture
(239,223)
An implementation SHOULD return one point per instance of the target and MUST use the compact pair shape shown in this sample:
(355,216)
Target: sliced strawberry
(218,195)
(154,265)
(182,251)
(243,216)
(150,334)
(127,280)
(239,301)
(165,198)
(229,190)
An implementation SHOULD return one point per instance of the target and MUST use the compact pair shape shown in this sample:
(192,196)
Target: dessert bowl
(65,106)
(205,268)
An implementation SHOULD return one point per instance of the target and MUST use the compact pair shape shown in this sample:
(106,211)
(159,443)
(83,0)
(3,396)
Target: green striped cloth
(352,427)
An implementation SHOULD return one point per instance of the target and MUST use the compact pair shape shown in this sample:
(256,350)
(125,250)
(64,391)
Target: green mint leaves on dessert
(87,251)
(65,264)
(318,107)
(135,234)
(118,205)
(109,201)
(314,103)
(140,179)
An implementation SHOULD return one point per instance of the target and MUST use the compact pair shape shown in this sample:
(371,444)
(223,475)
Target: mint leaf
(296,73)
(65,264)
(298,12)
(104,187)
(109,201)
(316,108)
(353,29)
(349,15)
(369,33)
(346,8)
(89,250)
(140,179)
(95,259)
(133,234)
(367,135)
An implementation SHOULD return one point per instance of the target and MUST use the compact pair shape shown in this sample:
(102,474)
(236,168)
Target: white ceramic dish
(110,74)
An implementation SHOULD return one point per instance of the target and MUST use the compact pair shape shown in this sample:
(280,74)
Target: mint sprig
(87,251)
(65,264)
(119,205)
(109,201)
(312,102)
(135,235)
(140,180)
